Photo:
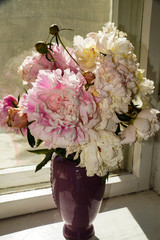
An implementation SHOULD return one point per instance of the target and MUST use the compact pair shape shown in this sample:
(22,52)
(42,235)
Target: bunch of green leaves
(47,152)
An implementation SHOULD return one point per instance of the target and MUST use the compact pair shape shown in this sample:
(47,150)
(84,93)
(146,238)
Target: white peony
(111,85)
(102,153)
(146,86)
(111,39)
(128,135)
(145,89)
(86,52)
(147,124)
(144,126)
(110,27)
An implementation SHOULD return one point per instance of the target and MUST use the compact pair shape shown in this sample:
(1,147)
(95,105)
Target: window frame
(41,199)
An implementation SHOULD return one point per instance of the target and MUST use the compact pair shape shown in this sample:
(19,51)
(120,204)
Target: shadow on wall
(4,1)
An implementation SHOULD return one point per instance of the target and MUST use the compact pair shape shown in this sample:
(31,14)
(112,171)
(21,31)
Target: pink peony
(63,111)
(5,105)
(32,64)
(63,59)
(11,117)
(16,118)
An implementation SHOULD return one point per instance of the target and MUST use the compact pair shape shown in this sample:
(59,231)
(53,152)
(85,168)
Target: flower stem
(47,38)
(68,51)
(52,59)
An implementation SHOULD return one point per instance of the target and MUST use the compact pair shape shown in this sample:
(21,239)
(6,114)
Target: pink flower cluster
(12,116)
(62,110)
(57,103)
(32,64)
(5,105)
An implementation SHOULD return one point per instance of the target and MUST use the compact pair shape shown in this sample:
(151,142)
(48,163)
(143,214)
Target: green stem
(47,38)
(52,59)
(68,29)
(68,51)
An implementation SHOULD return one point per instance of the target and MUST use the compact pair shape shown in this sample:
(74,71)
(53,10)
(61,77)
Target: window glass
(22,24)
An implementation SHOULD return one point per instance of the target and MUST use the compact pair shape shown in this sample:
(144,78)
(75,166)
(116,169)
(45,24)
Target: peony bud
(54,29)
(89,76)
(41,47)
(16,118)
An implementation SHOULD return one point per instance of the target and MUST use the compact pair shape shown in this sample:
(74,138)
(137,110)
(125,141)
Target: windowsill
(134,216)
(41,199)
(26,202)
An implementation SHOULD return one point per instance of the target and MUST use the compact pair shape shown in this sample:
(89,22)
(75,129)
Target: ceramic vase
(77,196)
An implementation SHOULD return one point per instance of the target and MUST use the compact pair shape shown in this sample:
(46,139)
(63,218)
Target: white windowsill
(41,199)
(21,176)
(38,200)
(131,217)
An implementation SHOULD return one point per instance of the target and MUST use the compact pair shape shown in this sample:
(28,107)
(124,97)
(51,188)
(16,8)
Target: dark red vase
(77,197)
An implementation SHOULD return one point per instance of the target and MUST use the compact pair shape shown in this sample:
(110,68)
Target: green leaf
(48,57)
(39,141)
(18,98)
(103,179)
(123,117)
(25,90)
(118,129)
(57,40)
(47,158)
(30,122)
(124,125)
(39,151)
(30,138)
(21,132)
(61,152)
(103,54)
(14,104)
(68,29)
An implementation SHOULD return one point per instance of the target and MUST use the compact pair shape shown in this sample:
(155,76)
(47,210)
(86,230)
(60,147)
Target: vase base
(83,234)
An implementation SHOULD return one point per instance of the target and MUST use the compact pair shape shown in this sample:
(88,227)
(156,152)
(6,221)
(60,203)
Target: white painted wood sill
(39,200)
(129,217)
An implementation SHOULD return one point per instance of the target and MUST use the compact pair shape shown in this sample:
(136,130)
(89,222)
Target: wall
(24,22)
(154,73)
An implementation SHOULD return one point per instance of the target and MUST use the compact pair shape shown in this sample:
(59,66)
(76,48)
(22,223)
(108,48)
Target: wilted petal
(142,124)
(128,135)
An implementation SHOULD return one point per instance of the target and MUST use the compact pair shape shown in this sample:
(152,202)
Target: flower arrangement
(86,101)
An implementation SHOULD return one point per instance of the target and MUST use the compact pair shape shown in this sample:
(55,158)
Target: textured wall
(24,22)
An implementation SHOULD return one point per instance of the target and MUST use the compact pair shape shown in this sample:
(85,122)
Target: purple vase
(77,197)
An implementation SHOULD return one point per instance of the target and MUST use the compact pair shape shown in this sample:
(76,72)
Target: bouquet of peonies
(86,101)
